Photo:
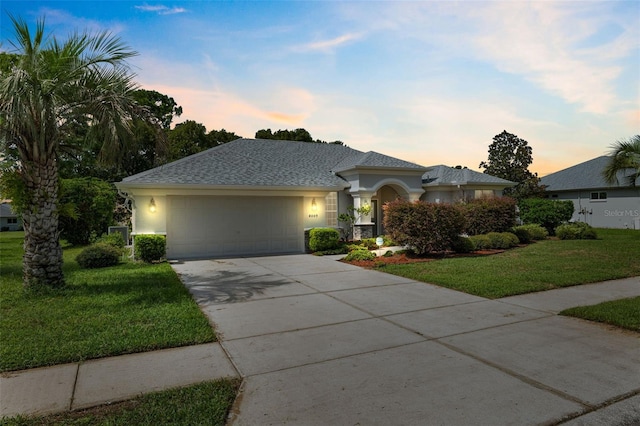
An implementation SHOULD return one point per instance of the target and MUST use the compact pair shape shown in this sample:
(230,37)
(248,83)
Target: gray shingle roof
(376,160)
(587,175)
(255,162)
(6,210)
(439,175)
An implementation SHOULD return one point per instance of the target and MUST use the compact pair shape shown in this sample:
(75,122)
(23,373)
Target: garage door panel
(233,226)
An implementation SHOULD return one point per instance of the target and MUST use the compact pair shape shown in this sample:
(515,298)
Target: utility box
(123,230)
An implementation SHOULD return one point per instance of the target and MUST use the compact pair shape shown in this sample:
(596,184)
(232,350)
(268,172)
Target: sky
(431,82)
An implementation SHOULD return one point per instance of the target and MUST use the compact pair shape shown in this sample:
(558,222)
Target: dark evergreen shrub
(98,255)
(150,248)
(321,239)
(463,245)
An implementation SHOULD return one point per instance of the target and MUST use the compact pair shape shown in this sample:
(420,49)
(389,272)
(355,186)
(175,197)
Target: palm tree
(52,86)
(625,158)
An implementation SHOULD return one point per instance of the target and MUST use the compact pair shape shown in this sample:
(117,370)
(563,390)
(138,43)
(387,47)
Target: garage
(219,226)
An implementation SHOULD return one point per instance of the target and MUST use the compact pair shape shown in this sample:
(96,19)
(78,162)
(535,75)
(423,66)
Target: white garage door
(199,226)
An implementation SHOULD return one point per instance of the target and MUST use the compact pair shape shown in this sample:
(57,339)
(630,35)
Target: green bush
(484,215)
(426,227)
(524,236)
(388,253)
(533,230)
(463,245)
(362,254)
(98,255)
(370,243)
(576,231)
(150,248)
(116,239)
(548,213)
(321,239)
(480,242)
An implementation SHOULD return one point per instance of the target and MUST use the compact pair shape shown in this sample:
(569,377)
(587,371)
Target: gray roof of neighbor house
(6,210)
(444,175)
(587,175)
(266,162)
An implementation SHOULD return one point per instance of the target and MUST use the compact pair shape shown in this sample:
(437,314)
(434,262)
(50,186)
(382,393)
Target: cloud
(327,46)
(161,9)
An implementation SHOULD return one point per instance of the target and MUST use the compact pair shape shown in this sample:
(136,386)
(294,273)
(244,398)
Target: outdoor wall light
(314,206)
(152,205)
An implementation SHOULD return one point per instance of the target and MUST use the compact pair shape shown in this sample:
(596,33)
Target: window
(331,210)
(12,220)
(598,196)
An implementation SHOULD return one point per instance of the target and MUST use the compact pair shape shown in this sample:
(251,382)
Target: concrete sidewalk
(323,342)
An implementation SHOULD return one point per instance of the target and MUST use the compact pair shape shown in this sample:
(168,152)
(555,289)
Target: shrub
(362,254)
(524,236)
(533,230)
(548,213)
(427,227)
(484,215)
(150,248)
(98,255)
(463,245)
(323,239)
(116,239)
(480,242)
(388,253)
(576,231)
(86,206)
(370,243)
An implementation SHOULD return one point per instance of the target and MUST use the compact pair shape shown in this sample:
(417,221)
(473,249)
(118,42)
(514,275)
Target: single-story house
(595,201)
(9,220)
(255,196)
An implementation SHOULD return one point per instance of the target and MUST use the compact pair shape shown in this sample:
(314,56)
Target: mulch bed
(404,258)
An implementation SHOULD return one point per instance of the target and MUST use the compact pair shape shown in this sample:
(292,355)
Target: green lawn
(540,266)
(202,404)
(623,313)
(132,307)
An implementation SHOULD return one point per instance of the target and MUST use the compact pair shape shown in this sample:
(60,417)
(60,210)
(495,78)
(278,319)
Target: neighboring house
(448,184)
(596,202)
(9,221)
(255,196)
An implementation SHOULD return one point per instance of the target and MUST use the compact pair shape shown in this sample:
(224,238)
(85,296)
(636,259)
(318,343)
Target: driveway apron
(323,342)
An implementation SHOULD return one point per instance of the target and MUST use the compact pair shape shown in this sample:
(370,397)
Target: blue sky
(425,81)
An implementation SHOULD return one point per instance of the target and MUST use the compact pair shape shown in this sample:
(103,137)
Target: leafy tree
(53,86)
(625,159)
(546,213)
(298,135)
(162,107)
(219,137)
(510,158)
(92,202)
(186,139)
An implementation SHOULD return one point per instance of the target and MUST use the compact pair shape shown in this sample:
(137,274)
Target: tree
(625,160)
(509,158)
(93,202)
(298,135)
(219,137)
(186,139)
(53,85)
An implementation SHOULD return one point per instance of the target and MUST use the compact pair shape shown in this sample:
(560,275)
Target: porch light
(152,205)
(314,206)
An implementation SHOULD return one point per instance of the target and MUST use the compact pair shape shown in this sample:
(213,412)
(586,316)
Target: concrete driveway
(322,342)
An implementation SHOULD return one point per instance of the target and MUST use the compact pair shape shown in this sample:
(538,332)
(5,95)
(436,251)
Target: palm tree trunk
(42,261)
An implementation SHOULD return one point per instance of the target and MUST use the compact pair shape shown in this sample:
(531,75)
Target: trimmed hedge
(484,215)
(494,240)
(426,227)
(99,255)
(362,254)
(547,213)
(576,231)
(530,232)
(321,239)
(150,248)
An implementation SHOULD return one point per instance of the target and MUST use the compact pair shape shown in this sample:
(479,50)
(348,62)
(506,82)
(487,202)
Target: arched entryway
(386,191)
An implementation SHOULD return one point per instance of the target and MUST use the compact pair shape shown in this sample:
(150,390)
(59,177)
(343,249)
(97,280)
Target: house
(9,220)
(449,184)
(256,196)
(595,201)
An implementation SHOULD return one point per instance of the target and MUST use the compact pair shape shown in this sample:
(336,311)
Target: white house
(595,201)
(254,196)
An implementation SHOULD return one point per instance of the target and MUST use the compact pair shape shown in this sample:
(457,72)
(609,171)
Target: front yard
(543,265)
(131,307)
